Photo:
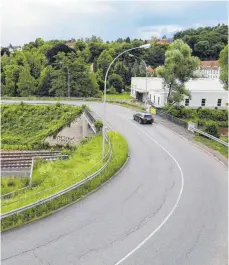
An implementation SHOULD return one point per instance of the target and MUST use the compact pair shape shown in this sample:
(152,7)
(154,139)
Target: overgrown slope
(25,127)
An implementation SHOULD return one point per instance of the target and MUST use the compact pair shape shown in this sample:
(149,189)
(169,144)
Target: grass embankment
(51,177)
(25,127)
(119,96)
(213,144)
(109,96)
(119,156)
(9,184)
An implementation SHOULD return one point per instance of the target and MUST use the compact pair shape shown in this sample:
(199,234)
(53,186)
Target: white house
(204,92)
(209,69)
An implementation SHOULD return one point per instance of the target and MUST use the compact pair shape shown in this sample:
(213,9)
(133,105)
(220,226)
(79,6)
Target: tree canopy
(205,42)
(42,67)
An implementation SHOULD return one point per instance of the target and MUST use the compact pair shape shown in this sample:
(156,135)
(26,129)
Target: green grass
(25,127)
(120,154)
(213,144)
(119,96)
(51,177)
(9,184)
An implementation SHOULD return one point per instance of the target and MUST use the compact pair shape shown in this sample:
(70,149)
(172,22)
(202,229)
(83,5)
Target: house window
(186,102)
(154,98)
(158,100)
(203,102)
(219,102)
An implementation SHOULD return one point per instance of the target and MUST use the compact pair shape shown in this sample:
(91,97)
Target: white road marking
(174,207)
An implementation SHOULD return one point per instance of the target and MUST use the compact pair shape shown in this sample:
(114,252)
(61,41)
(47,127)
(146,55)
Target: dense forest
(205,42)
(43,68)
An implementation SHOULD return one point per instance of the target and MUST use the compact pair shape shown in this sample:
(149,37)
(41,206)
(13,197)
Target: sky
(25,20)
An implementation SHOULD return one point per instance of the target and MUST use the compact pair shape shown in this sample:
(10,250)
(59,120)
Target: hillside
(206,42)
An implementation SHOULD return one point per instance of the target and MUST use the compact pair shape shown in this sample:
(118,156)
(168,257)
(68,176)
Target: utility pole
(68,83)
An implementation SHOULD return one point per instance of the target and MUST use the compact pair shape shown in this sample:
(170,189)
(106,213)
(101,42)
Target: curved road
(167,207)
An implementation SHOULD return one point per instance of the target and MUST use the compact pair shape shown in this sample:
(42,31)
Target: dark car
(143,117)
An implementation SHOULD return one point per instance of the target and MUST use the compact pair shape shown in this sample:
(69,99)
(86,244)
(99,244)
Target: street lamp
(131,55)
(145,46)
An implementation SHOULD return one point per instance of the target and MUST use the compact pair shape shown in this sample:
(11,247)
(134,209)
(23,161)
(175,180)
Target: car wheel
(134,118)
(140,121)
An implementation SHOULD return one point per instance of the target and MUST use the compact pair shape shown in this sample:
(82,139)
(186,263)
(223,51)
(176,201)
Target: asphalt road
(167,207)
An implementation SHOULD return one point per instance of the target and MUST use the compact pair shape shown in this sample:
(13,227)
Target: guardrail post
(31,173)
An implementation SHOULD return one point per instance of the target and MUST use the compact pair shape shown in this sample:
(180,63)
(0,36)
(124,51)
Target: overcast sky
(25,20)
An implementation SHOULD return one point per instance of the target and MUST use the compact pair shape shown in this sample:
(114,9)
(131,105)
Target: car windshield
(148,116)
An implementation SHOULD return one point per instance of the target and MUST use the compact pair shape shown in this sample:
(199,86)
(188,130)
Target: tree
(51,53)
(104,61)
(79,45)
(12,73)
(127,40)
(179,67)
(5,51)
(223,62)
(39,42)
(26,83)
(44,82)
(116,81)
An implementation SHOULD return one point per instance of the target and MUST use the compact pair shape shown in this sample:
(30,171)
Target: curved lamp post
(145,46)
(131,55)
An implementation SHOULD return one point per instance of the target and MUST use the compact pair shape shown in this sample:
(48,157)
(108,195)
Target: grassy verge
(25,127)
(119,156)
(119,96)
(9,184)
(213,144)
(50,177)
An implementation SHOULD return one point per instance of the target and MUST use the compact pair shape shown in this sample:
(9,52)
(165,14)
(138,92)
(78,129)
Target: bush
(212,130)
(112,90)
(98,125)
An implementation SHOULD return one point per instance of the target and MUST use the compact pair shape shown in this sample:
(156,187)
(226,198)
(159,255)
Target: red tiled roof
(209,64)
(150,69)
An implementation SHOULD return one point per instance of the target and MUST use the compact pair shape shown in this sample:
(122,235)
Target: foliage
(212,130)
(223,62)
(206,42)
(98,125)
(9,184)
(116,82)
(119,156)
(27,126)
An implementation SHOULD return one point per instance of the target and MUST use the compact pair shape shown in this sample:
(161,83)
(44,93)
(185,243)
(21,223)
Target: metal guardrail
(58,194)
(171,118)
(209,136)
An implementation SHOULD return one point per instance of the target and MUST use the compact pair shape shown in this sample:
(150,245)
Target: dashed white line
(174,207)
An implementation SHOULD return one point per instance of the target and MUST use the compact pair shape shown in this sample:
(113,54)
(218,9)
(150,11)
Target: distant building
(204,92)
(161,41)
(70,44)
(209,69)
(150,69)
